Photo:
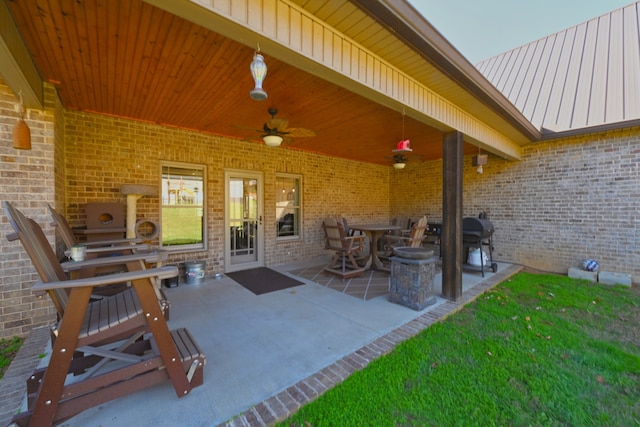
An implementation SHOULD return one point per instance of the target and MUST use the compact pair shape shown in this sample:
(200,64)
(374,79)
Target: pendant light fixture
(258,72)
(21,132)
(403,146)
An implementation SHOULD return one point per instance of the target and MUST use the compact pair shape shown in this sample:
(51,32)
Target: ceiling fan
(399,160)
(401,156)
(277,130)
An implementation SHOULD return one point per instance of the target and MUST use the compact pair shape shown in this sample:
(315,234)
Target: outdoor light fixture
(480,160)
(403,146)
(272,140)
(258,72)
(21,132)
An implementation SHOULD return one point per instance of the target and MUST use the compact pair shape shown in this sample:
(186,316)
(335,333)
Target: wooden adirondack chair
(128,328)
(110,248)
(414,239)
(345,248)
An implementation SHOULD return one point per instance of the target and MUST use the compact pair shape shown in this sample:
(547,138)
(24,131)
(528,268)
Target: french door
(244,234)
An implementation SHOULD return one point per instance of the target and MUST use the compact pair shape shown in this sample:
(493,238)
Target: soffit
(383,40)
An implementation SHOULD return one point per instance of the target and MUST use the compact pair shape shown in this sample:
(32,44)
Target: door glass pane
(243,219)
(183,221)
(288,206)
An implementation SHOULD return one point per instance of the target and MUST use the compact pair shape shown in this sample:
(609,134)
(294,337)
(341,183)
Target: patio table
(374,231)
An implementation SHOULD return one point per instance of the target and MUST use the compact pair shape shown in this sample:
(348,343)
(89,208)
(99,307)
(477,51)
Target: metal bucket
(194,272)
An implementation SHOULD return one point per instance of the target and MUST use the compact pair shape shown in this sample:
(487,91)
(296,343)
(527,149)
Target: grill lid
(477,227)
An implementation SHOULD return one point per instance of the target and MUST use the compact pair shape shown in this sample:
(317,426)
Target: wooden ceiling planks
(130,59)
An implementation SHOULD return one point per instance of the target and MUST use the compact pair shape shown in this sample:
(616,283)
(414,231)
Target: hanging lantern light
(258,72)
(21,132)
(479,161)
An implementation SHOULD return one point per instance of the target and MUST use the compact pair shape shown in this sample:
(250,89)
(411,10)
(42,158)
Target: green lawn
(537,350)
(8,349)
(181,225)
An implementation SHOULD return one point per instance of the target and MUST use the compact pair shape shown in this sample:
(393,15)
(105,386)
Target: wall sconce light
(272,140)
(258,72)
(480,160)
(21,132)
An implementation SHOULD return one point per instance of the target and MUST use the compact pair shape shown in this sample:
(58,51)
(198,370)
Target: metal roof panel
(586,75)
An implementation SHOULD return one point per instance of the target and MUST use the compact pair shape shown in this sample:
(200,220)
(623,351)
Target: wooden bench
(92,334)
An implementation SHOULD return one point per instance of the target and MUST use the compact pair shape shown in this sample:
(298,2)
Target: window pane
(288,206)
(183,206)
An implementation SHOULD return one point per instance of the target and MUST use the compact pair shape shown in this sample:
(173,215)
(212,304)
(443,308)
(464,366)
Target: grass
(536,350)
(8,349)
(181,225)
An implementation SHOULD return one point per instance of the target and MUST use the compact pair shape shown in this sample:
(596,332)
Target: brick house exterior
(562,201)
(566,200)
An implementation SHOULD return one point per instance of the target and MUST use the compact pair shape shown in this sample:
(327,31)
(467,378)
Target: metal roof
(585,76)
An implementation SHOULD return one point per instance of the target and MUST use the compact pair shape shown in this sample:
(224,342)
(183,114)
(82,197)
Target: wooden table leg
(377,264)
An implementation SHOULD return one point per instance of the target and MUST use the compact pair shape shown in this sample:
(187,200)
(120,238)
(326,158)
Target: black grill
(476,233)
(476,228)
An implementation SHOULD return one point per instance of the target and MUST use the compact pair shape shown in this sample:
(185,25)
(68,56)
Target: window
(182,218)
(288,206)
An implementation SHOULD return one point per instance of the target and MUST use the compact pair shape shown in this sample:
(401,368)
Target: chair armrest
(352,239)
(151,256)
(109,279)
(109,249)
(84,231)
(396,238)
(122,242)
(357,241)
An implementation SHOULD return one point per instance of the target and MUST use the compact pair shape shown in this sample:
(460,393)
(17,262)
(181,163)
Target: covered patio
(267,354)
(114,89)
(361,80)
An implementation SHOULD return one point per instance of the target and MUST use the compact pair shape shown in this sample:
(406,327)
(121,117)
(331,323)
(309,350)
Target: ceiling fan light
(399,165)
(272,140)
(258,72)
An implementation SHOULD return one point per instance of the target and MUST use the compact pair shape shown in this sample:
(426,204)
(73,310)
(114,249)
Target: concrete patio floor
(269,354)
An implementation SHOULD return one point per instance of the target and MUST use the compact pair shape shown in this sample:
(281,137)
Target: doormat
(263,280)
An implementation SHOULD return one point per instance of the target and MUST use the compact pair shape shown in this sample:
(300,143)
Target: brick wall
(102,153)
(27,180)
(567,200)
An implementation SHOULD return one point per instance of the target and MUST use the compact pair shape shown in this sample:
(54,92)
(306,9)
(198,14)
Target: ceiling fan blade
(300,132)
(280,124)
(286,140)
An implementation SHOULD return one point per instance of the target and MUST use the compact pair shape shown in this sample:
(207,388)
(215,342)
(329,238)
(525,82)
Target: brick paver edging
(14,382)
(287,402)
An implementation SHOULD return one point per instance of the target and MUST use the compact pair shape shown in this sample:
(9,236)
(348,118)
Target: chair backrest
(345,226)
(63,227)
(335,233)
(417,232)
(40,251)
(402,221)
